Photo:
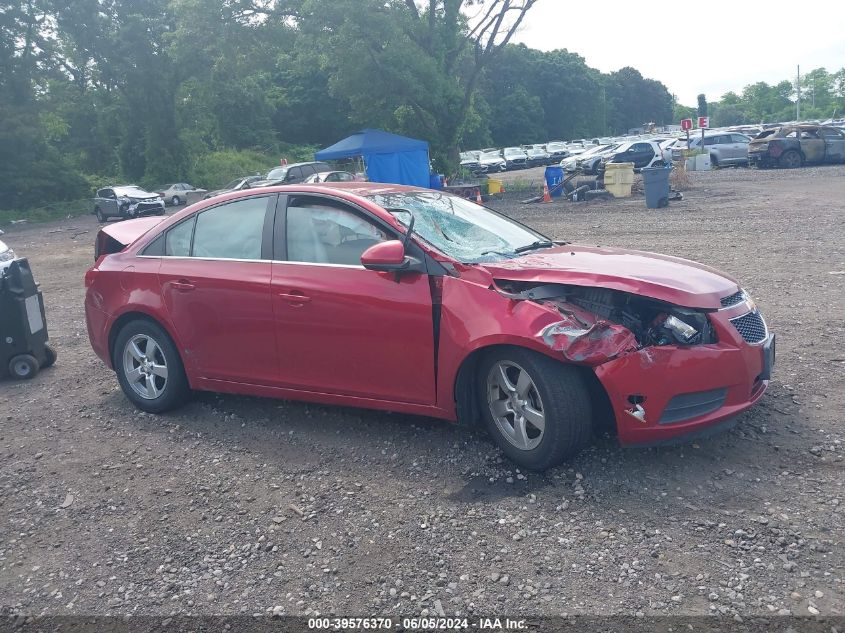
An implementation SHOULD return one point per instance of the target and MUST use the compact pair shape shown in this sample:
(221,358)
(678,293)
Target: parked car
(235,185)
(291,174)
(126,201)
(641,153)
(469,160)
(666,146)
(557,151)
(177,193)
(275,292)
(796,145)
(589,161)
(331,176)
(537,156)
(570,163)
(515,158)
(7,255)
(725,148)
(492,161)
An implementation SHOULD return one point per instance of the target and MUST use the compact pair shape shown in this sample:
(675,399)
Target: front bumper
(662,393)
(760,158)
(140,209)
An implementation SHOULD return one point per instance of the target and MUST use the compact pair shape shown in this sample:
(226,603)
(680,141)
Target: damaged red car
(415,301)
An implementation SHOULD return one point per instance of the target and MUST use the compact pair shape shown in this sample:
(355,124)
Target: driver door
(340,328)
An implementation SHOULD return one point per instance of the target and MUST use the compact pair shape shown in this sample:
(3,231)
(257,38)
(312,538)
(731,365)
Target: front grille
(732,300)
(751,327)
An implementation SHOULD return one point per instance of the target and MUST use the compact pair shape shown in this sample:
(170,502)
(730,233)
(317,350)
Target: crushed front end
(668,370)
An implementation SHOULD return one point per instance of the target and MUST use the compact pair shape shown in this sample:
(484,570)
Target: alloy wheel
(515,405)
(145,366)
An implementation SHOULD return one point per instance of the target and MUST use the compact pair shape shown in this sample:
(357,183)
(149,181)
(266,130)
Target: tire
(99,213)
(790,159)
(23,366)
(135,362)
(50,356)
(553,390)
(714,161)
(176,201)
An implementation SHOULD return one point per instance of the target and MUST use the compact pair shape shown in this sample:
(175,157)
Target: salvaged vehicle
(7,255)
(515,158)
(177,193)
(491,161)
(641,153)
(469,161)
(235,185)
(293,173)
(126,201)
(795,145)
(416,301)
(537,156)
(725,148)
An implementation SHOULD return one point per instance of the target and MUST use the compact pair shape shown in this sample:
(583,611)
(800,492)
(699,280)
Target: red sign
(686,124)
(704,122)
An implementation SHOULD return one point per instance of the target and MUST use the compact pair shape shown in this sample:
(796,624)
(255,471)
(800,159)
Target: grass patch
(55,211)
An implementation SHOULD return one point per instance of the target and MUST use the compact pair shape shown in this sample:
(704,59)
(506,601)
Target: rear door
(812,145)
(340,328)
(834,142)
(215,281)
(740,147)
(641,154)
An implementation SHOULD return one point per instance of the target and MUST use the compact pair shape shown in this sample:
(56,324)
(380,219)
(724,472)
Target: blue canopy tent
(388,157)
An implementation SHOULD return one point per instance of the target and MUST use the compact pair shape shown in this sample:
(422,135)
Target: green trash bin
(656,185)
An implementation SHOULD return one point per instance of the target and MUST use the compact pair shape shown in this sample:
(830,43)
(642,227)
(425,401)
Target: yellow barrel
(618,178)
(494,186)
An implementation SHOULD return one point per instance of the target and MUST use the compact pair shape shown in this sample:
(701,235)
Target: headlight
(683,330)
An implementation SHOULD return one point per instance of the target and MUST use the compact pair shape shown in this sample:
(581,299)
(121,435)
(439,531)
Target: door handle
(294,298)
(183,285)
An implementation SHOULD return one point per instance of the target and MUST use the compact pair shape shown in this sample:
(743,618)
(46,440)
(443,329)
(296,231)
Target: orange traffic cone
(546,196)
(502,188)
(478,199)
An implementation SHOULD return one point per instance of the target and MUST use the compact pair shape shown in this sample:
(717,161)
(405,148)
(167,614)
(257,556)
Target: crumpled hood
(672,279)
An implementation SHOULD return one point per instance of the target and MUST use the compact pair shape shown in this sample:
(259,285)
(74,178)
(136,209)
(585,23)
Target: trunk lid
(114,237)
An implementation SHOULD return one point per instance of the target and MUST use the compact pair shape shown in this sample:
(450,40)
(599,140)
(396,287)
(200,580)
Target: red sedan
(416,301)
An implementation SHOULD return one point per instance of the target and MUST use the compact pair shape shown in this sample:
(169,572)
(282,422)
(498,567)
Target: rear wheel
(149,368)
(536,408)
(50,356)
(23,366)
(790,159)
(176,201)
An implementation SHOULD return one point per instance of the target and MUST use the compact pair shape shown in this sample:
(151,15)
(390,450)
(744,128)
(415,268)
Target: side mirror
(386,257)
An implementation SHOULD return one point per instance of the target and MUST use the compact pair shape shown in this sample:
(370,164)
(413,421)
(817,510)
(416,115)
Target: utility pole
(798,100)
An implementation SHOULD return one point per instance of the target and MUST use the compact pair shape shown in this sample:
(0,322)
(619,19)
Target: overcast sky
(737,43)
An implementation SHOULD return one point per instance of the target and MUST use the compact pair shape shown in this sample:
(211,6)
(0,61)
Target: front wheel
(149,368)
(790,159)
(100,216)
(537,409)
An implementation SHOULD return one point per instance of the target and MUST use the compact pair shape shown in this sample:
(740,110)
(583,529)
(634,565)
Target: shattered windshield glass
(457,227)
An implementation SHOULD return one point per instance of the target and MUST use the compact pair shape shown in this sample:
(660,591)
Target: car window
(739,138)
(177,241)
(277,174)
(294,173)
(829,132)
(308,170)
(808,134)
(641,147)
(792,134)
(328,234)
(231,231)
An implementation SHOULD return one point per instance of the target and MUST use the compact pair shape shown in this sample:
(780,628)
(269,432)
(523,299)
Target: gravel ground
(242,505)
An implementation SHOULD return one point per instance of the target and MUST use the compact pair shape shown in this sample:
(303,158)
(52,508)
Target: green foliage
(215,169)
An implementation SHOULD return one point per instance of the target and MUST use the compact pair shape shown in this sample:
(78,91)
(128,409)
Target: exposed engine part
(651,321)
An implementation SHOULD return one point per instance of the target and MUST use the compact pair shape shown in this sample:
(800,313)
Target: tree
(702,105)
(429,58)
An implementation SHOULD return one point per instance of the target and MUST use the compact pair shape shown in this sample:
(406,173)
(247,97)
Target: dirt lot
(241,505)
